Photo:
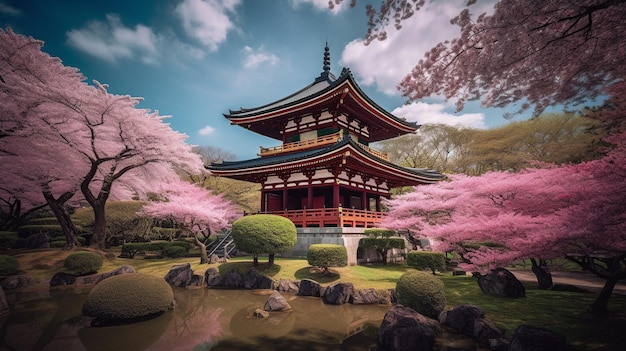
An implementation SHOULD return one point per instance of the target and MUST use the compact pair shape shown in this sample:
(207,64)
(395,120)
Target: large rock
(370,297)
(501,282)
(97,278)
(338,293)
(404,329)
(252,279)
(16,282)
(181,275)
(38,241)
(288,286)
(4,305)
(485,331)
(309,287)
(212,277)
(233,279)
(462,318)
(529,338)
(62,278)
(276,302)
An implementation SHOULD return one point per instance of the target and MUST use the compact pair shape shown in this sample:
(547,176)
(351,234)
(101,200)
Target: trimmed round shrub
(434,261)
(128,297)
(422,292)
(9,265)
(83,262)
(264,233)
(327,255)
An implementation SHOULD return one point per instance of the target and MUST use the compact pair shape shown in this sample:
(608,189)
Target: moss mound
(83,262)
(9,265)
(128,297)
(422,292)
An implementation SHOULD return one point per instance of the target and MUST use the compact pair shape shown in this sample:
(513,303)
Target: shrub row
(172,249)
(434,261)
(379,232)
(9,265)
(52,230)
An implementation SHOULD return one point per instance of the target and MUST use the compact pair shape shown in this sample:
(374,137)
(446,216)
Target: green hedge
(164,248)
(52,230)
(83,262)
(422,292)
(8,240)
(435,261)
(43,221)
(327,255)
(9,265)
(128,297)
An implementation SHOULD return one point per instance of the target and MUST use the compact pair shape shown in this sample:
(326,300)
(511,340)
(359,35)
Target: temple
(324,174)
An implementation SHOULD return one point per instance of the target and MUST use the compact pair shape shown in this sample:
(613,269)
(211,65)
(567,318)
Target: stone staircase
(224,246)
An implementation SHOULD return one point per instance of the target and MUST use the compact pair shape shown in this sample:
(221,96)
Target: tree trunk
(383,254)
(544,278)
(256,260)
(270,261)
(99,238)
(204,257)
(60,212)
(599,305)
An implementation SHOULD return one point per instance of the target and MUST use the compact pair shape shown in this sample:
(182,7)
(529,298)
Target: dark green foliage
(52,230)
(435,261)
(327,255)
(122,222)
(83,262)
(43,220)
(381,241)
(9,265)
(264,233)
(131,249)
(8,240)
(174,251)
(128,296)
(57,244)
(160,233)
(379,232)
(422,292)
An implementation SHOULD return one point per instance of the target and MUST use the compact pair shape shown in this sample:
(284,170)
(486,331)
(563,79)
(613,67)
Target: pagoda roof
(328,93)
(344,149)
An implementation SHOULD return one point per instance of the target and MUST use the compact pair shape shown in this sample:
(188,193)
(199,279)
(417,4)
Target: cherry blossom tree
(573,211)
(531,52)
(75,139)
(194,209)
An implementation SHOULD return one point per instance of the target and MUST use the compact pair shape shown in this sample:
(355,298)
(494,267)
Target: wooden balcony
(320,141)
(301,145)
(332,217)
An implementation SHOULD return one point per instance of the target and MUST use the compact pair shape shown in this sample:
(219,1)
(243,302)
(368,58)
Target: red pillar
(263,200)
(364,201)
(335,194)
(285,197)
(309,197)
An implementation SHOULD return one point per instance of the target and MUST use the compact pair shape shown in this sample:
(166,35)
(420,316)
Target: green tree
(427,260)
(327,255)
(122,221)
(264,233)
(381,241)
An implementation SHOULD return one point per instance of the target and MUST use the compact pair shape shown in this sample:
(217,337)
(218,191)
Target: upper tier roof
(326,93)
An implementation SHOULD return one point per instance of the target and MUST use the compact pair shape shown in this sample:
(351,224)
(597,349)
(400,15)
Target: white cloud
(206,130)
(385,63)
(424,113)
(207,20)
(321,5)
(9,10)
(254,58)
(112,40)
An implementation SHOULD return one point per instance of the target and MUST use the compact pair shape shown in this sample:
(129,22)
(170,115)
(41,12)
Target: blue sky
(196,59)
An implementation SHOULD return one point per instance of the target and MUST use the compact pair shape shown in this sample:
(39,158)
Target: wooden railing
(299,145)
(320,141)
(332,217)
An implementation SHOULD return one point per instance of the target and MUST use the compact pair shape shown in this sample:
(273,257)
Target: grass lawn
(563,312)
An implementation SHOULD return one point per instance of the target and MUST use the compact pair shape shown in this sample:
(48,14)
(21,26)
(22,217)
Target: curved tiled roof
(289,160)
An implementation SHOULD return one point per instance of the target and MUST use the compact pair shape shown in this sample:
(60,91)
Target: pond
(204,319)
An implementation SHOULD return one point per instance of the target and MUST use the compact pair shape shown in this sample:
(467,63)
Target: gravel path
(583,280)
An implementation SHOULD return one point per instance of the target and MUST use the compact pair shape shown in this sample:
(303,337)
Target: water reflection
(203,319)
